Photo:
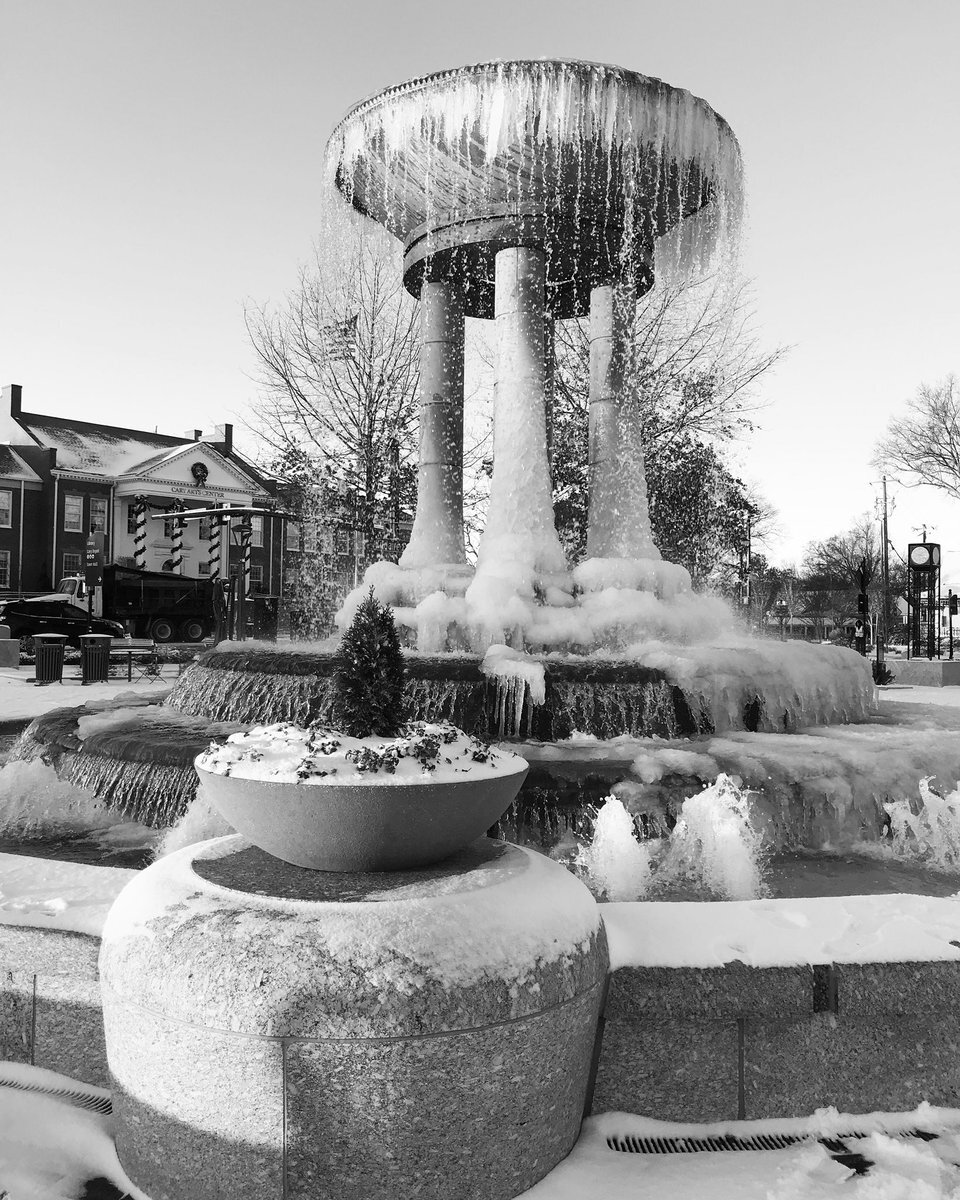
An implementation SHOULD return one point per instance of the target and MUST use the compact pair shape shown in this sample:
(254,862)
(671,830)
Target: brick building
(61,478)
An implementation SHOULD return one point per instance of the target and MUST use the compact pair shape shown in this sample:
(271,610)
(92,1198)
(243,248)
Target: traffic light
(953,604)
(862,603)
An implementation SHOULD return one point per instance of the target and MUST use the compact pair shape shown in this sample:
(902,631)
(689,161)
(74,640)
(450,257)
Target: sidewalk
(21,699)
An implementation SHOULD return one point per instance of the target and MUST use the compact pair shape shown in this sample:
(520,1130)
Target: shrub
(882,673)
(367,683)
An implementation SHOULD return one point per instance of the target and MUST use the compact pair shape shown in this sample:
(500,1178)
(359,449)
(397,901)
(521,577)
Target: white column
(618,519)
(140,534)
(213,548)
(437,535)
(247,554)
(176,542)
(520,524)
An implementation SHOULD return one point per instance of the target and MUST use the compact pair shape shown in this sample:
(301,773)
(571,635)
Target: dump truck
(150,604)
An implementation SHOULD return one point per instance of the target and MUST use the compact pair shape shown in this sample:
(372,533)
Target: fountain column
(549,379)
(618,519)
(437,536)
(520,517)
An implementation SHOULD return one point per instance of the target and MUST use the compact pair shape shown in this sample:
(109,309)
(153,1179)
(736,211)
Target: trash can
(95,657)
(49,651)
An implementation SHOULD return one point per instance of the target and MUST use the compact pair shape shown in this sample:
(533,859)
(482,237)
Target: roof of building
(12,466)
(99,449)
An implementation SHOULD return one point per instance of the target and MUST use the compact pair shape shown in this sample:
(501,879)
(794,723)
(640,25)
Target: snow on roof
(12,466)
(99,449)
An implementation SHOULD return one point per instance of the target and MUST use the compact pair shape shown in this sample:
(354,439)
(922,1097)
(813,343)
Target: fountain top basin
(593,163)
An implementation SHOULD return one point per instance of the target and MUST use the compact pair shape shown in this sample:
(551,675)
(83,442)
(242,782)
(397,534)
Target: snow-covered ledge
(715,1011)
(775,1008)
(51,919)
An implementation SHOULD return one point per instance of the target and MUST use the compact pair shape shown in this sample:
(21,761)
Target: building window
(203,567)
(132,517)
(256,577)
(203,530)
(72,564)
(292,536)
(98,514)
(342,543)
(6,508)
(73,514)
(4,567)
(256,535)
(310,538)
(359,543)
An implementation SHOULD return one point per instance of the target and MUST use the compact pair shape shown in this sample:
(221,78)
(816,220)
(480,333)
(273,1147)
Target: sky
(163,166)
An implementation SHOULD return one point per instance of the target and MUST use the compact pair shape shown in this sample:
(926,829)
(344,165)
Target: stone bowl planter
(365,826)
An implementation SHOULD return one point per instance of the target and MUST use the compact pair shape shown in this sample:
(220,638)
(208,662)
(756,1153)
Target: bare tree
(848,560)
(923,446)
(696,360)
(339,373)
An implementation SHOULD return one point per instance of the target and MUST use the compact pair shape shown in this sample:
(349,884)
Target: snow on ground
(48,1148)
(781,933)
(903,1169)
(941,697)
(22,700)
(47,893)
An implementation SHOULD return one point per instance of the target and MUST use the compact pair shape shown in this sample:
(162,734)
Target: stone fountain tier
(138,756)
(261,685)
(362,1036)
(589,162)
(672,691)
(137,759)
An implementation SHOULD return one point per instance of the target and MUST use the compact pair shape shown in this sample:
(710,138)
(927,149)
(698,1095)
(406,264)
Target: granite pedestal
(279,1032)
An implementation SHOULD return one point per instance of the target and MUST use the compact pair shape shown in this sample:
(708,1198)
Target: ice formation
(517,675)
(659,140)
(35,803)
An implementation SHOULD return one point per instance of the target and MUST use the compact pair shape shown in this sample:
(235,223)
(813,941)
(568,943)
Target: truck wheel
(162,630)
(192,631)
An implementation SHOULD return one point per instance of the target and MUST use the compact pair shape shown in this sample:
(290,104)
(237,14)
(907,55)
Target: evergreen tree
(367,684)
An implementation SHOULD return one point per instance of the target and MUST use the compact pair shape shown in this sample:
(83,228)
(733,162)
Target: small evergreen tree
(367,684)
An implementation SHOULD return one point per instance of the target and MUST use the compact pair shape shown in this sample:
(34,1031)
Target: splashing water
(714,846)
(616,864)
(931,835)
(714,849)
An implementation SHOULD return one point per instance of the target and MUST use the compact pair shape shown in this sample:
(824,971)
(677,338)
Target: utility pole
(885,603)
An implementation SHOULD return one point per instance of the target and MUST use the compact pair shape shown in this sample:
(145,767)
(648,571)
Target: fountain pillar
(437,536)
(618,519)
(549,379)
(520,524)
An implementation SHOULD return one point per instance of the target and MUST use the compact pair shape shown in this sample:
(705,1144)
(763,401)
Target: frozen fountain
(272,1030)
(524,193)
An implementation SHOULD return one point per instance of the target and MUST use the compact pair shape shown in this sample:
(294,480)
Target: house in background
(61,479)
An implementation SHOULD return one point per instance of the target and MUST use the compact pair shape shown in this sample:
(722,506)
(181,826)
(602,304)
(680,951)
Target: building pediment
(194,471)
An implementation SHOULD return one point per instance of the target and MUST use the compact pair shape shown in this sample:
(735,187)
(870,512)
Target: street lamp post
(240,534)
(781,615)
